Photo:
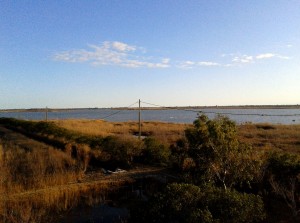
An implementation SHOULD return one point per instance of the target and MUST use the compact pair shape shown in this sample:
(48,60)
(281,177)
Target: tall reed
(38,182)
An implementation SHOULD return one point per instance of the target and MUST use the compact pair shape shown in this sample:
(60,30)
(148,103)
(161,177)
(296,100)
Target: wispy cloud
(111,53)
(265,56)
(122,47)
(130,56)
(186,64)
(208,63)
(192,64)
(271,55)
(245,59)
(231,60)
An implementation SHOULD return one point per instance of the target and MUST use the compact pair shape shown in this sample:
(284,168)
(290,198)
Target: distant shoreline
(159,108)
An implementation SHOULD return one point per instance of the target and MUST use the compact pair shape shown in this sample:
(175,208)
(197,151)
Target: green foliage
(283,166)
(189,203)
(283,173)
(155,152)
(121,151)
(216,153)
(232,206)
(178,203)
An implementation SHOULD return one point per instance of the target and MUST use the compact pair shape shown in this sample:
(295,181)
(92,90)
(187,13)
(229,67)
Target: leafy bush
(232,206)
(120,151)
(283,174)
(215,154)
(155,152)
(189,203)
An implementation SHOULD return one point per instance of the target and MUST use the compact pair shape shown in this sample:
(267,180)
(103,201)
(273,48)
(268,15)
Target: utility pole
(140,124)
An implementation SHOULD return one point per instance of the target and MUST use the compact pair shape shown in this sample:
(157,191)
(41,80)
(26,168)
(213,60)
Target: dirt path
(94,180)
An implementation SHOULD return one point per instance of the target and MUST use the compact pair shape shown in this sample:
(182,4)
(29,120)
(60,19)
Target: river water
(273,116)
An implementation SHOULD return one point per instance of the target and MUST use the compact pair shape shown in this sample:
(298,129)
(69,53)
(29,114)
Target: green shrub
(120,151)
(188,203)
(215,154)
(283,175)
(231,206)
(155,152)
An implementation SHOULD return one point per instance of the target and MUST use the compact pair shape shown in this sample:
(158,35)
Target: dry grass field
(164,132)
(39,181)
(271,137)
(260,136)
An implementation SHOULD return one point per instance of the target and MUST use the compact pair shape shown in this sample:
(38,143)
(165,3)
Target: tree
(217,154)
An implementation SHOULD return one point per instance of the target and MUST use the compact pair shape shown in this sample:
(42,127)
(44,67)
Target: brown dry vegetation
(39,168)
(22,171)
(162,131)
(260,136)
(271,137)
(37,183)
(36,178)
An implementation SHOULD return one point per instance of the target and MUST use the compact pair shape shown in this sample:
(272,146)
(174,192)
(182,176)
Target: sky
(111,53)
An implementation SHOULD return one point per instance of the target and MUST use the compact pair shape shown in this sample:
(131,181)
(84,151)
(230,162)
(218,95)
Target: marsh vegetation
(217,169)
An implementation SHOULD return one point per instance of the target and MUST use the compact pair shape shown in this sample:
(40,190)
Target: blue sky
(168,52)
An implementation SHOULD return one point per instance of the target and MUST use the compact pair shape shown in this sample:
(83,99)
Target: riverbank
(157,108)
(176,115)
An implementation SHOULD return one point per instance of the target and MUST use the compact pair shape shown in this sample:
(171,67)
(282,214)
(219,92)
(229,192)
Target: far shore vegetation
(296,106)
(211,171)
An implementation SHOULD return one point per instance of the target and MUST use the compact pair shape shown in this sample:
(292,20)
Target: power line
(201,111)
(221,113)
(171,108)
(112,114)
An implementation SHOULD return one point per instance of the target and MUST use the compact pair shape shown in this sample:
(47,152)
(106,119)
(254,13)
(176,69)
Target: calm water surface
(274,116)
